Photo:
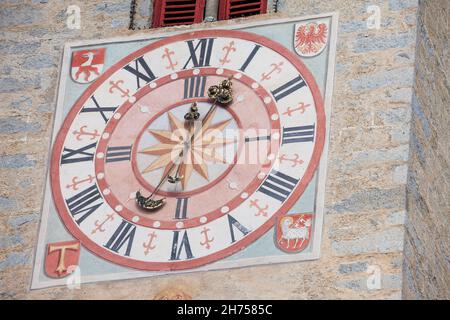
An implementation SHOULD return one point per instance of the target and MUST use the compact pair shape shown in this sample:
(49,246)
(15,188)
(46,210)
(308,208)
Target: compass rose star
(197,154)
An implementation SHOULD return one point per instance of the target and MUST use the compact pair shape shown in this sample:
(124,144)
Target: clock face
(128,133)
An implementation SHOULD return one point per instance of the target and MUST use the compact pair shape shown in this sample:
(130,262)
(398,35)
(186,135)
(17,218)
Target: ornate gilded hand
(222,94)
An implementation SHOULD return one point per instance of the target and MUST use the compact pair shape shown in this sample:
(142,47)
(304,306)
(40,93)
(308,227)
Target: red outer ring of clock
(71,225)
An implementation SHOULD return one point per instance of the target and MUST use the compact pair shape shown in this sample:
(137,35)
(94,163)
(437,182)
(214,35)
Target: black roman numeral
(288,88)
(178,247)
(200,55)
(298,134)
(233,223)
(278,185)
(84,203)
(123,235)
(250,57)
(120,153)
(99,109)
(250,139)
(194,87)
(144,74)
(181,209)
(78,155)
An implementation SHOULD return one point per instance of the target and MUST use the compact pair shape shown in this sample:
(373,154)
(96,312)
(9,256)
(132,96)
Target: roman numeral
(121,153)
(124,235)
(194,87)
(298,134)
(250,57)
(144,73)
(177,247)
(278,185)
(181,209)
(99,109)
(78,155)
(233,223)
(84,203)
(250,139)
(288,88)
(200,55)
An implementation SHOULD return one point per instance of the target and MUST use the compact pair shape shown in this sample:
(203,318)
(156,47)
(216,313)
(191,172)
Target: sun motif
(177,146)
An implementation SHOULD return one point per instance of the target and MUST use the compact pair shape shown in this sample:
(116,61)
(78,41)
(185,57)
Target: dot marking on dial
(156,224)
(100,155)
(117,116)
(180,225)
(118,208)
(232,185)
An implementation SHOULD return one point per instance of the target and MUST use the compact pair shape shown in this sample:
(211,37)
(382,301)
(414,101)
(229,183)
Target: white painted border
(220,265)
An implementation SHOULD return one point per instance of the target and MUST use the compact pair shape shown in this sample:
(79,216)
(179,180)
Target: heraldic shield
(61,258)
(293,232)
(87,65)
(311,37)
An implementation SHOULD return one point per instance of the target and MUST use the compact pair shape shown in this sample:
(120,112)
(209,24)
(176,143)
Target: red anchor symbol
(261,211)
(275,67)
(301,107)
(116,85)
(148,245)
(99,226)
(296,160)
(207,239)
(230,48)
(75,183)
(167,54)
(81,132)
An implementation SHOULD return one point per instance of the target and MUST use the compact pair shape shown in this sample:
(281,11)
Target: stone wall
(365,201)
(427,253)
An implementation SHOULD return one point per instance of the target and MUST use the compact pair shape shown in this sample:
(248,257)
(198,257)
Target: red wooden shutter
(176,12)
(229,9)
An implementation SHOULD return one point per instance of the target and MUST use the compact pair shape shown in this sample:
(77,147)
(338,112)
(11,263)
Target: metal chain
(132,15)
(275,5)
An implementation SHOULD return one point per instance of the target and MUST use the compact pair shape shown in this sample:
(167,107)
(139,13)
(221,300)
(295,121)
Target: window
(177,12)
(230,9)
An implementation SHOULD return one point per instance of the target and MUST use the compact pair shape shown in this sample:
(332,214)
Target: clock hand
(190,117)
(221,93)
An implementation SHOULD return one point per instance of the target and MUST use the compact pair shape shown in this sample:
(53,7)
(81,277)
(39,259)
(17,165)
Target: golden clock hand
(190,117)
(221,93)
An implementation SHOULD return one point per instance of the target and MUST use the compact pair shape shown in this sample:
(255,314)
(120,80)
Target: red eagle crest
(311,38)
